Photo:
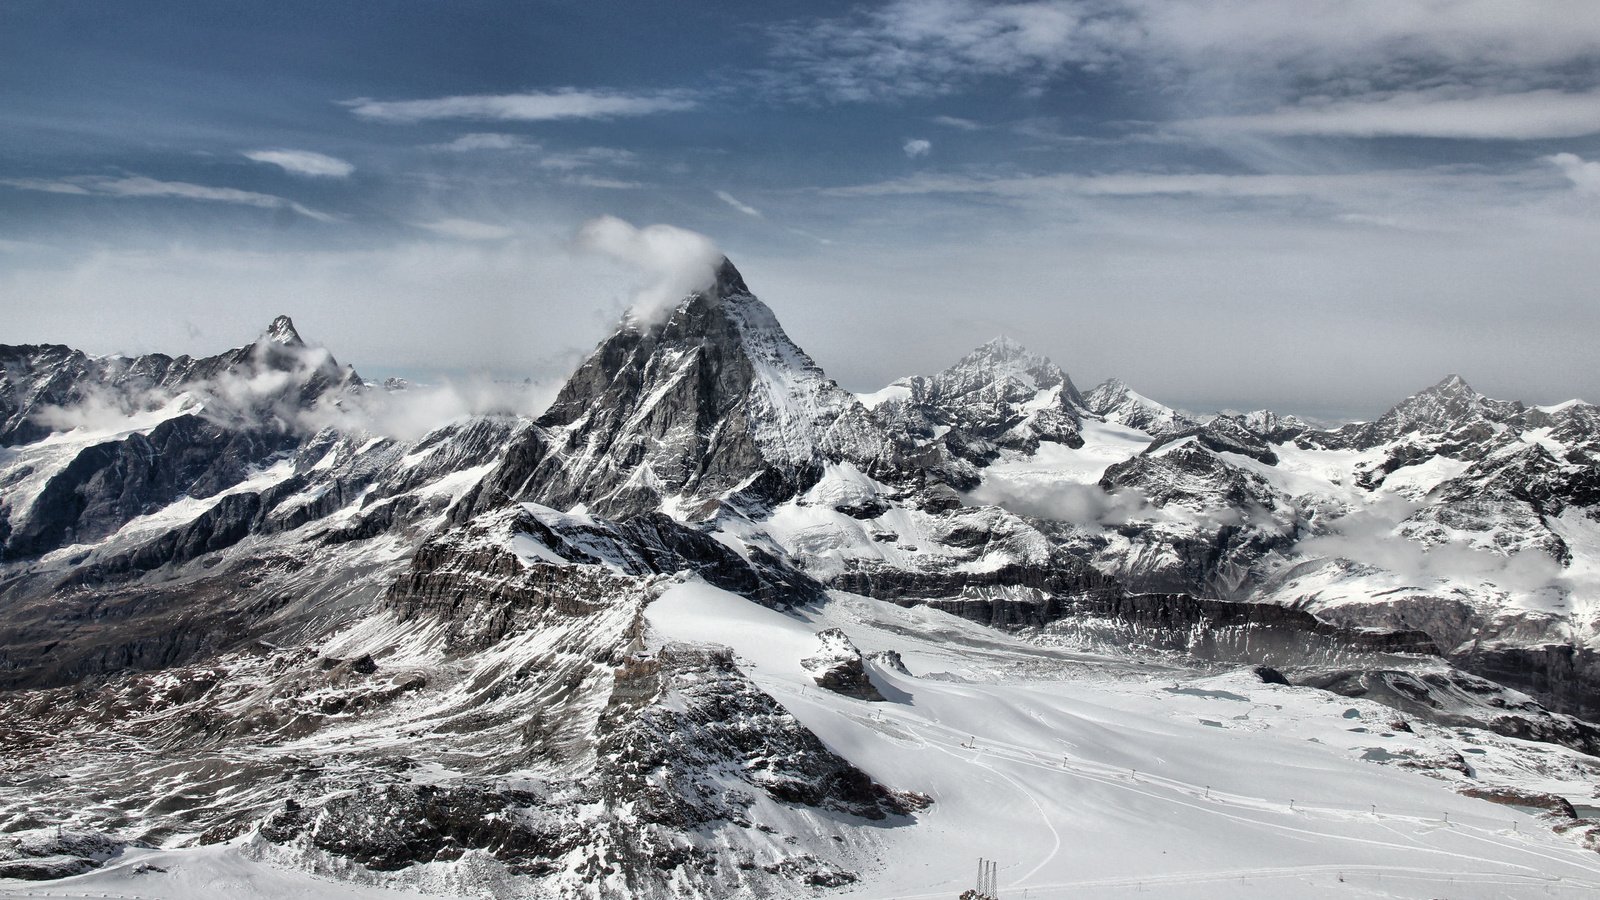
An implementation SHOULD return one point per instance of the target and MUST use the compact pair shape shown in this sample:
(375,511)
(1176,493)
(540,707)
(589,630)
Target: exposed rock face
(719,717)
(109,484)
(1224,434)
(1225,631)
(214,420)
(1446,696)
(45,854)
(1567,676)
(514,566)
(1215,521)
(838,667)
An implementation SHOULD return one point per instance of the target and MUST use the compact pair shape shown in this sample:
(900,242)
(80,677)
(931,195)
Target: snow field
(1125,782)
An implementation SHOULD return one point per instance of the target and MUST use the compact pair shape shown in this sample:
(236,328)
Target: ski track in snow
(1474,854)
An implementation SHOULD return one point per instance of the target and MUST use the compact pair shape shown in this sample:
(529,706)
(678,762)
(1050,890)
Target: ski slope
(1098,777)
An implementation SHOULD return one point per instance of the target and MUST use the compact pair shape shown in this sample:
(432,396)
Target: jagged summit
(728,281)
(282,332)
(694,406)
(1450,414)
(1120,404)
(999,396)
(1448,405)
(1005,367)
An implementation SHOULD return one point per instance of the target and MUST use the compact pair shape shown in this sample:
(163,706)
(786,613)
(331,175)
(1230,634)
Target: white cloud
(1584,175)
(1213,48)
(916,147)
(304,162)
(926,47)
(604,184)
(534,106)
(675,261)
(957,123)
(468,143)
(736,203)
(585,157)
(411,413)
(138,186)
(1525,115)
(1372,535)
(467,229)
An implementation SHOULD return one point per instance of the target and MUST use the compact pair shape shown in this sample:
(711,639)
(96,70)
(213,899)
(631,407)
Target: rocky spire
(282,332)
(712,399)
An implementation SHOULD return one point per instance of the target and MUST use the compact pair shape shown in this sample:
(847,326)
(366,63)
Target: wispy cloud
(1437,114)
(303,162)
(534,106)
(917,147)
(957,123)
(605,184)
(584,157)
(477,141)
(1135,184)
(734,202)
(467,229)
(139,186)
(929,47)
(536,153)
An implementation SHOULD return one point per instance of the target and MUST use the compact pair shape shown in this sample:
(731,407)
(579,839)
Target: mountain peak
(1453,385)
(1004,346)
(1109,393)
(1450,404)
(728,282)
(282,332)
(1120,404)
(695,405)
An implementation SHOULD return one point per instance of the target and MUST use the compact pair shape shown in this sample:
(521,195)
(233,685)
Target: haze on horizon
(1315,206)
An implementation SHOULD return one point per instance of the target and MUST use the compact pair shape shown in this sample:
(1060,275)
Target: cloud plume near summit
(673,261)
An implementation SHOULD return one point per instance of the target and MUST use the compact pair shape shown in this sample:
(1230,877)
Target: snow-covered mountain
(1119,404)
(713,626)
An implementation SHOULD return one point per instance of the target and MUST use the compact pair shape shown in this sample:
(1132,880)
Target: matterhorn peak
(728,282)
(283,333)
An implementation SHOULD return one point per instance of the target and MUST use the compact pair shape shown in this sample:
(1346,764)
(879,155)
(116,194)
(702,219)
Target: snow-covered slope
(714,627)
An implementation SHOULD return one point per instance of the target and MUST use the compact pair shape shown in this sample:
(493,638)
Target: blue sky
(1320,205)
